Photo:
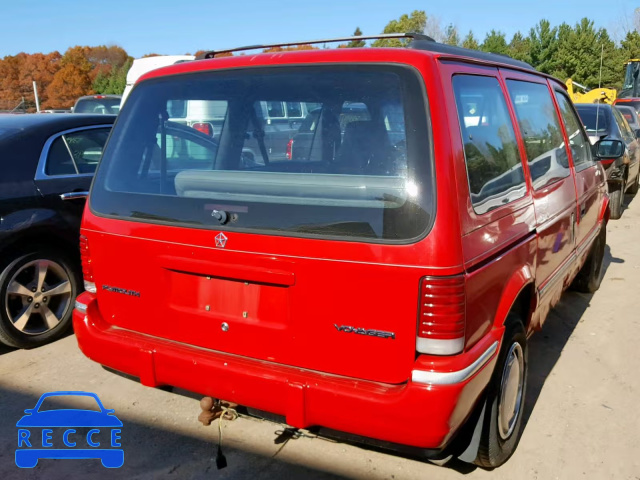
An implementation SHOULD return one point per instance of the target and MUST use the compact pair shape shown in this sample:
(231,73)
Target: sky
(178,27)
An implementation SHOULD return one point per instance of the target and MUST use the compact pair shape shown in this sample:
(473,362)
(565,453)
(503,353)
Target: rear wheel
(589,277)
(505,401)
(37,293)
(615,201)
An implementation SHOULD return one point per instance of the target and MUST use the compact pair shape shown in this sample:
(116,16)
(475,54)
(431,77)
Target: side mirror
(609,148)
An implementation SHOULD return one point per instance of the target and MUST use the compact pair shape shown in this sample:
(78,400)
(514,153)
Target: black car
(623,172)
(47,164)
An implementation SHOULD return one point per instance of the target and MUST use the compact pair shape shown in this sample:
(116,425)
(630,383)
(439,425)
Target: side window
(578,140)
(59,161)
(186,149)
(540,129)
(86,147)
(494,167)
(294,110)
(275,109)
(625,131)
(76,152)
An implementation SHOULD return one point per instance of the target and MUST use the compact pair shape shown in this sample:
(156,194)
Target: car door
(66,167)
(590,181)
(629,138)
(554,192)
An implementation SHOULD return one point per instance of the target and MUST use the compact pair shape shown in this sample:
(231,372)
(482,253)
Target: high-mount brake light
(87,268)
(442,315)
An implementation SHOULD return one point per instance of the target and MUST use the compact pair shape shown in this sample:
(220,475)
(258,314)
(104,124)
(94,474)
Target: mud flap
(471,452)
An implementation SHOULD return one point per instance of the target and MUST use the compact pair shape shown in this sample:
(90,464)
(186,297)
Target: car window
(625,130)
(98,105)
(186,148)
(493,164)
(86,147)
(59,161)
(275,109)
(578,141)
(629,115)
(540,129)
(294,109)
(76,152)
(353,171)
(594,119)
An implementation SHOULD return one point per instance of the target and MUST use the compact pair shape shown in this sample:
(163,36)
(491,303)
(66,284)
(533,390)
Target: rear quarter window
(494,168)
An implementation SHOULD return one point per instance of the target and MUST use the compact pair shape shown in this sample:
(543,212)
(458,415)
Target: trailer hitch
(215,408)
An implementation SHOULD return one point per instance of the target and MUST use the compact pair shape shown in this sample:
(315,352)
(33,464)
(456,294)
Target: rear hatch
(212,241)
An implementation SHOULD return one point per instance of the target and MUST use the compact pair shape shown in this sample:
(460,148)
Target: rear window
(349,167)
(595,120)
(104,106)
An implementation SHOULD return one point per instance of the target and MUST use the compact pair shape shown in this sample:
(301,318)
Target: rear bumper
(424,415)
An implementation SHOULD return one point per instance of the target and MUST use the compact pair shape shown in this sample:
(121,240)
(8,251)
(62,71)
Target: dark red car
(382,284)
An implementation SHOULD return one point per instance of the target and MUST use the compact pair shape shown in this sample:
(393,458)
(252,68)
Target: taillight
(203,127)
(289,149)
(608,162)
(87,268)
(442,315)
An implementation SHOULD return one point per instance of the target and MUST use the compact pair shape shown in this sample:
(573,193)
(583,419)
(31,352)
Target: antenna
(599,87)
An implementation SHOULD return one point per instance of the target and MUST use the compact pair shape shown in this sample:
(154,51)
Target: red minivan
(384,283)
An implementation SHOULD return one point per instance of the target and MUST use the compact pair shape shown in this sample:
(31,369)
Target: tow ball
(214,408)
(217,409)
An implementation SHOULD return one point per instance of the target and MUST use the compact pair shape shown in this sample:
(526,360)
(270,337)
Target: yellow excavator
(594,95)
(630,92)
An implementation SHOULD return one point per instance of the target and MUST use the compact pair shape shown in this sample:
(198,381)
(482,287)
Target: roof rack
(419,41)
(412,36)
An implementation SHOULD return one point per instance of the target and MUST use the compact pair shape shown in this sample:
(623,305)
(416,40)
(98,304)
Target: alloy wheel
(38,296)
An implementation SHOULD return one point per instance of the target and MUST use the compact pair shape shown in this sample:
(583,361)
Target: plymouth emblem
(221,240)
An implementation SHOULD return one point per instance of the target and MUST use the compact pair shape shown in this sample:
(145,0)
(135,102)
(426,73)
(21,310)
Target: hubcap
(38,296)
(511,391)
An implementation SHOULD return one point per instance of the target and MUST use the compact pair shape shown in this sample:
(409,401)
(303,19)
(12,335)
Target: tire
(501,430)
(589,277)
(615,201)
(633,189)
(37,294)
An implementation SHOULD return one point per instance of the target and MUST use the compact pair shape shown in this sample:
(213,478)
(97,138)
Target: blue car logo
(73,433)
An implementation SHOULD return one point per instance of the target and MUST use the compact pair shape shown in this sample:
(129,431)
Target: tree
(451,35)
(580,52)
(115,81)
(520,48)
(630,46)
(356,43)
(10,93)
(414,23)
(470,42)
(495,42)
(40,68)
(543,41)
(72,80)
(434,29)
